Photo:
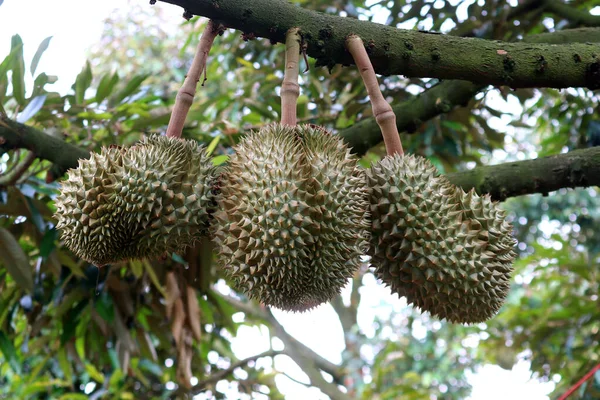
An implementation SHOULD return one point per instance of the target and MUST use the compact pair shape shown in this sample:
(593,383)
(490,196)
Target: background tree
(66,326)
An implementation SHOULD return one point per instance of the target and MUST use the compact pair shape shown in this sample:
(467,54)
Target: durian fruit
(448,252)
(137,202)
(293,216)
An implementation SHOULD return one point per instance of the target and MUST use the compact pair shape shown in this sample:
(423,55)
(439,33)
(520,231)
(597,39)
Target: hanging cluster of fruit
(292,214)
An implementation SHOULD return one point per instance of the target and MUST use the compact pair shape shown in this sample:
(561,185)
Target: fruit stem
(384,115)
(290,90)
(185,96)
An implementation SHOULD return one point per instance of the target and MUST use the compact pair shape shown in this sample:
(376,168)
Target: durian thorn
(384,115)
(290,90)
(185,96)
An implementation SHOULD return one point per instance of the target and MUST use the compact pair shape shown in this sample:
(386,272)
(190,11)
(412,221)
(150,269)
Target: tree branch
(571,14)
(14,135)
(308,360)
(574,169)
(222,374)
(411,53)
(578,168)
(410,114)
(445,96)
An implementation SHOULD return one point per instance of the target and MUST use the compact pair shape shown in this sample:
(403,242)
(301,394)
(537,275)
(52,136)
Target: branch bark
(310,362)
(445,96)
(14,135)
(578,168)
(542,175)
(411,53)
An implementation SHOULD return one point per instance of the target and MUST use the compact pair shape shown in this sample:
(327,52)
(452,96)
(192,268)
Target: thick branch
(411,53)
(579,168)
(443,97)
(410,114)
(578,35)
(574,169)
(14,135)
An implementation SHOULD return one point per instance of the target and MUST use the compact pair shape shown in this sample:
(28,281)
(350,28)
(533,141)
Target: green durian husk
(448,252)
(138,202)
(293,216)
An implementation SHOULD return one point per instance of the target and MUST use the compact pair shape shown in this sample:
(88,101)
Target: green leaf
(15,260)
(104,307)
(48,243)
(43,386)
(131,87)
(116,379)
(106,86)
(82,83)
(8,60)
(10,353)
(73,396)
(18,70)
(64,363)
(218,160)
(38,54)
(71,320)
(32,108)
(154,278)
(213,144)
(94,373)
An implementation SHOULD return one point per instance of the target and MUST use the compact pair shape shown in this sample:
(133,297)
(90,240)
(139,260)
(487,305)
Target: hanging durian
(448,252)
(137,202)
(292,220)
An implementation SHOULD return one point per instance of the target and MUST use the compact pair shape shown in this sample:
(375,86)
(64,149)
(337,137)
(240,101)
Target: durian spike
(185,96)
(384,115)
(290,90)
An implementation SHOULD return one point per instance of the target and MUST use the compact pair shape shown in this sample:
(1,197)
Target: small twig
(222,374)
(290,90)
(18,171)
(291,378)
(382,111)
(186,94)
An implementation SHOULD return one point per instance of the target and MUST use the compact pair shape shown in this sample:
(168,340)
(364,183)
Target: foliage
(68,328)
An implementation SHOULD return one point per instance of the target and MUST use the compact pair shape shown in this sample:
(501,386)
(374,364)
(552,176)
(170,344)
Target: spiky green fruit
(448,252)
(137,202)
(292,222)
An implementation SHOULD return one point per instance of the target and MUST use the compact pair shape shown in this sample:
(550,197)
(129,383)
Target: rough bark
(542,175)
(445,96)
(412,53)
(410,114)
(18,136)
(580,35)
(579,168)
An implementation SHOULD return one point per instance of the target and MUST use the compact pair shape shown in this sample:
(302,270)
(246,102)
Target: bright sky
(76,25)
